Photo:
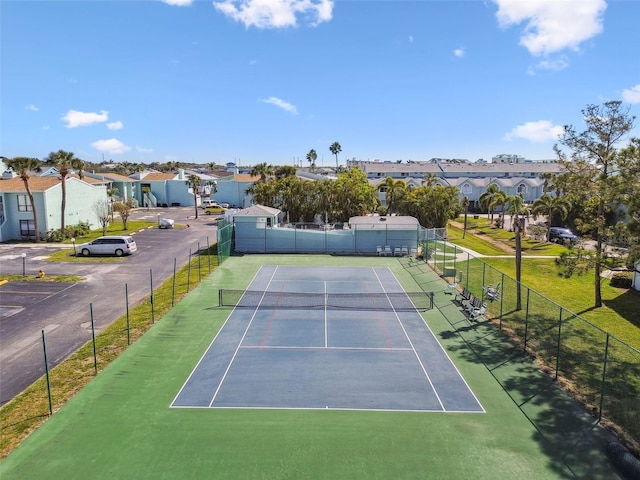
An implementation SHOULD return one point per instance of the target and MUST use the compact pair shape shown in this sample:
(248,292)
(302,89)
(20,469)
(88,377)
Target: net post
(220,297)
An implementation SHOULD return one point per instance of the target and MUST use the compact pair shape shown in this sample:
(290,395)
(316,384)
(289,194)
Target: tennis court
(327,337)
(268,419)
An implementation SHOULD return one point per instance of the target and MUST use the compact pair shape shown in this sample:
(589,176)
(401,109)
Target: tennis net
(405,301)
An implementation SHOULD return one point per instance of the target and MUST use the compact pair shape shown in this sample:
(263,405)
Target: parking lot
(62,310)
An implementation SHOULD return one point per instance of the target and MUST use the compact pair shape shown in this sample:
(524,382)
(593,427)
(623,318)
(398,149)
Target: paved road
(63,310)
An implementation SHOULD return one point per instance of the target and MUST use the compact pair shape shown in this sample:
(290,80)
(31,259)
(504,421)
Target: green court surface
(121,425)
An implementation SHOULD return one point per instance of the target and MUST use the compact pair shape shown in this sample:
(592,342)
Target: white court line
(426,374)
(246,330)
(207,349)
(362,349)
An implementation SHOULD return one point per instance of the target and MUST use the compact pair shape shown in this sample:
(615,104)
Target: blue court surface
(291,356)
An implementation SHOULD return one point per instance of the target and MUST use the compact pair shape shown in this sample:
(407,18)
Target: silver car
(115,245)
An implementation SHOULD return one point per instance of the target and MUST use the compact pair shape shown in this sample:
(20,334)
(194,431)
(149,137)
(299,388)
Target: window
(27,228)
(522,188)
(23,203)
(466,189)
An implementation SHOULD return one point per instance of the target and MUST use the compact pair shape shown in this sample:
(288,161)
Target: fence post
(173,285)
(604,377)
(126,297)
(526,317)
(501,299)
(46,371)
(93,340)
(468,262)
(484,269)
(199,268)
(208,254)
(153,317)
(559,342)
(189,272)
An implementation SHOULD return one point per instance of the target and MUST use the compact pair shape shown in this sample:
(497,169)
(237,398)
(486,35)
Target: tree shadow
(626,305)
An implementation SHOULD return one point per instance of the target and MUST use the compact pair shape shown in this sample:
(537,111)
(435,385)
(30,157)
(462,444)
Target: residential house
(471,179)
(16,215)
(125,186)
(233,189)
(154,189)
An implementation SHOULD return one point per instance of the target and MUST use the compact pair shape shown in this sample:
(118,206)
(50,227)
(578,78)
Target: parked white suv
(116,245)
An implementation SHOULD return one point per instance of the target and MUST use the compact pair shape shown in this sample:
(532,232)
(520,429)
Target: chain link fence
(599,370)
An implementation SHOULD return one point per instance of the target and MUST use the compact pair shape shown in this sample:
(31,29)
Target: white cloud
(410,38)
(631,95)
(31,107)
(459,52)
(144,150)
(178,3)
(276,13)
(552,25)
(114,125)
(81,119)
(112,145)
(539,131)
(282,104)
(555,65)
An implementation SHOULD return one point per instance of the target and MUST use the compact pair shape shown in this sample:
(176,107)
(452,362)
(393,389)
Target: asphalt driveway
(62,310)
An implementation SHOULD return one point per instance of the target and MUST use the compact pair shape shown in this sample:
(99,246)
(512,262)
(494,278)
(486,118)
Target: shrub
(621,280)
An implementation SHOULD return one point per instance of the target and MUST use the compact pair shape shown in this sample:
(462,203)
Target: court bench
(472,306)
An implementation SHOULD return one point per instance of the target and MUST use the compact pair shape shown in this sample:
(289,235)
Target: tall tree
(492,198)
(284,171)
(262,170)
(65,163)
(103,212)
(112,193)
(591,160)
(549,205)
(194,182)
(519,211)
(335,149)
(22,166)
(465,204)
(394,190)
(312,156)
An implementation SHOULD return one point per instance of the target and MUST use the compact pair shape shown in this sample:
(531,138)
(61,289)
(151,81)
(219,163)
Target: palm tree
(394,190)
(548,205)
(492,198)
(22,166)
(64,162)
(262,170)
(519,210)
(194,182)
(335,149)
(312,156)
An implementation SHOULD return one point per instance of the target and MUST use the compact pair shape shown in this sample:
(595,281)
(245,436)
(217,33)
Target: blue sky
(256,81)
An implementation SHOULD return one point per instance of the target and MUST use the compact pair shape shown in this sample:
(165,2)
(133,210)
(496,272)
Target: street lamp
(73,241)
(24,265)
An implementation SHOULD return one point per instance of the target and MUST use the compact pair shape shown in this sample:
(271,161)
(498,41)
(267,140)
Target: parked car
(209,203)
(224,205)
(562,235)
(115,245)
(214,210)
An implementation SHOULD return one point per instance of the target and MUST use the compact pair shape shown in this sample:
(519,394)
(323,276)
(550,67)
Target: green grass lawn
(619,313)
